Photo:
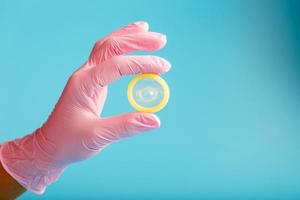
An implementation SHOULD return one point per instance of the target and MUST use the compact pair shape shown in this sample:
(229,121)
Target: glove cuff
(26,161)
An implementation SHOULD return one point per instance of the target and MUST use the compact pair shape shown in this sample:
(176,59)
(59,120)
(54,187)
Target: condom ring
(148,93)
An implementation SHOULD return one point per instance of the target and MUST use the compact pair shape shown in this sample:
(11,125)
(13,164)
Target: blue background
(231,128)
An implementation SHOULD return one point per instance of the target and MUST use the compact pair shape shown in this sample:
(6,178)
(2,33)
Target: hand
(75,131)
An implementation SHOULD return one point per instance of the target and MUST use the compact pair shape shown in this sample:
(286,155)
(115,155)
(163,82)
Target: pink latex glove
(74,131)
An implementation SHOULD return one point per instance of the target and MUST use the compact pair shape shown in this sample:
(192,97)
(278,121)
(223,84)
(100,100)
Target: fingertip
(161,41)
(155,119)
(167,66)
(148,120)
(162,65)
(164,39)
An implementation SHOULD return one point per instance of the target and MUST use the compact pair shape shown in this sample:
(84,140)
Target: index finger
(118,66)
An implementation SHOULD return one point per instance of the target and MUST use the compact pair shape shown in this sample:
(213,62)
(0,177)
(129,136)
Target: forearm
(9,187)
(26,161)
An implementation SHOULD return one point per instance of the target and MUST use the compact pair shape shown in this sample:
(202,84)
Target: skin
(9,187)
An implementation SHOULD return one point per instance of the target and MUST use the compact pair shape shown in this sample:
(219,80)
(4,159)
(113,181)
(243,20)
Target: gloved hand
(75,131)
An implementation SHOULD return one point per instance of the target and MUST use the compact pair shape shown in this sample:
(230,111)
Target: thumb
(129,124)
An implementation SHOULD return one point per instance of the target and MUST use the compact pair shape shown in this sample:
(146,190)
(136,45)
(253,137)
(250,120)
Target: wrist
(10,188)
(27,161)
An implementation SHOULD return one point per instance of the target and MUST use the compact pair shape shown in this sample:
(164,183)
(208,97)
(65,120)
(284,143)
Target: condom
(148,93)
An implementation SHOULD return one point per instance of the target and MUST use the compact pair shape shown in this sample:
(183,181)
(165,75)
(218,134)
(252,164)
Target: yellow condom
(148,93)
